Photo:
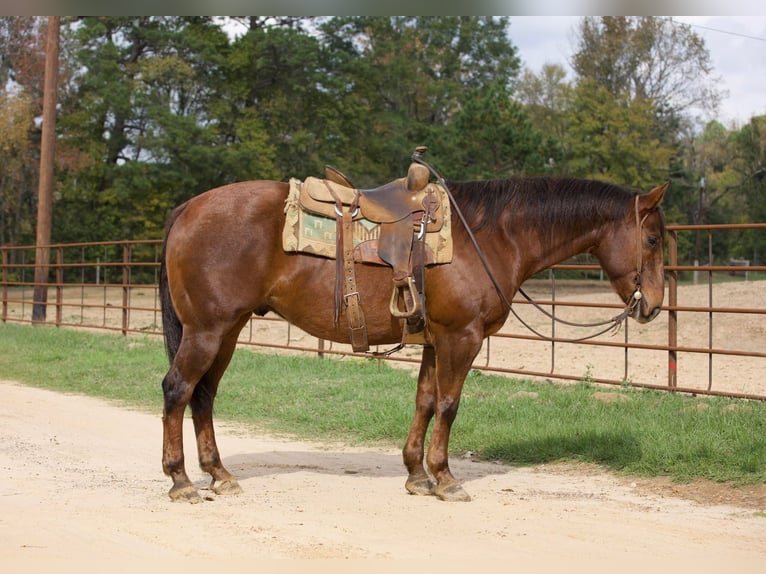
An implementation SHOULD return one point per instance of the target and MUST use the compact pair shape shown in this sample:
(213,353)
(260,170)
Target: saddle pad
(311,233)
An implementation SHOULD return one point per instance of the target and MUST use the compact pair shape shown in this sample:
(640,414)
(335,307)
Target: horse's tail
(172,329)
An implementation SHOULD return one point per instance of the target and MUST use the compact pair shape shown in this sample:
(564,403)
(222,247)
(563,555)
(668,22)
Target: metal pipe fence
(710,339)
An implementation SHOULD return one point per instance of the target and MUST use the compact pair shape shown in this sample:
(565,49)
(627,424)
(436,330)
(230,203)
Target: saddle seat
(388,203)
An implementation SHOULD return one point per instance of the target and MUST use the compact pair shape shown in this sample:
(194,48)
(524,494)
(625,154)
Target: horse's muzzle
(642,317)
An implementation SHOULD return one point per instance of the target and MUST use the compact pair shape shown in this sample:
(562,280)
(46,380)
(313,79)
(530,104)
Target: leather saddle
(406,209)
(388,203)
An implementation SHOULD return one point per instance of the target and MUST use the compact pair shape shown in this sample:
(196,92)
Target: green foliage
(408,81)
(612,138)
(647,58)
(18,175)
(649,433)
(493,137)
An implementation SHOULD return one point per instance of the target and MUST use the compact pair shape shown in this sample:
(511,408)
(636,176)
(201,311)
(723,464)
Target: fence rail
(696,346)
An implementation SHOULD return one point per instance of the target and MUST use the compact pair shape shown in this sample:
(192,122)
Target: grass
(644,433)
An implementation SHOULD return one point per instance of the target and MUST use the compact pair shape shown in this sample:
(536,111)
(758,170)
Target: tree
(614,139)
(546,97)
(22,53)
(22,65)
(403,80)
(647,58)
(493,137)
(749,163)
(18,173)
(638,80)
(277,103)
(140,133)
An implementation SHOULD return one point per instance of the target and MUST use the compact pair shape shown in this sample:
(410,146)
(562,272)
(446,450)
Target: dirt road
(81,479)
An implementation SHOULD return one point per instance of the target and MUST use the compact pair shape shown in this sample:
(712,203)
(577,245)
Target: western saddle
(406,209)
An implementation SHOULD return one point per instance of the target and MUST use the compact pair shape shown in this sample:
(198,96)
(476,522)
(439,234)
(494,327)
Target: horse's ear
(652,199)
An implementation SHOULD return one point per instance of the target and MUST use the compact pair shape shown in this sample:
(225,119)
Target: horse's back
(234,202)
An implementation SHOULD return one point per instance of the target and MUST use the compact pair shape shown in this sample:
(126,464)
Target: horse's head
(633,256)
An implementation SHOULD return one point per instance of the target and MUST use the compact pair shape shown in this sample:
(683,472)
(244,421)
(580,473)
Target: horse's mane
(542,202)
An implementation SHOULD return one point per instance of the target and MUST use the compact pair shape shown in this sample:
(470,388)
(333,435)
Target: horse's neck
(555,245)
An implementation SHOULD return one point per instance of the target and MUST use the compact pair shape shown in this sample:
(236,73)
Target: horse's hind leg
(194,357)
(418,481)
(223,482)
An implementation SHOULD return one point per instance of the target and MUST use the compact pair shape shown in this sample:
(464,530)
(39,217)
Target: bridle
(612,324)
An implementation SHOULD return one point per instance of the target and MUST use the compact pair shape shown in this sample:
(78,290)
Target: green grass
(649,433)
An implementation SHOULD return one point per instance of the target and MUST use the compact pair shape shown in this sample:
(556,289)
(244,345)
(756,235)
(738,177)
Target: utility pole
(45,189)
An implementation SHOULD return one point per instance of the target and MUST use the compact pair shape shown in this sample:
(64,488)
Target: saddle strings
(613,324)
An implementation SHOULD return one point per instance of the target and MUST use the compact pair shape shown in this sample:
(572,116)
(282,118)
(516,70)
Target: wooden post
(45,189)
(59,286)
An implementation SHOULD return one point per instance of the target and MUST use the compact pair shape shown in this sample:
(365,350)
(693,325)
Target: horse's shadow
(338,463)
(610,450)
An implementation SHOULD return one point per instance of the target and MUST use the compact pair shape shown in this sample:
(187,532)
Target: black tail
(171,326)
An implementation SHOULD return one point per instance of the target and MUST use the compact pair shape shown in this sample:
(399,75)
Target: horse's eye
(653,241)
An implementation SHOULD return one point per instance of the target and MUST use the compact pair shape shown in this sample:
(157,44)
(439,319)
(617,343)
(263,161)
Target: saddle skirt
(311,226)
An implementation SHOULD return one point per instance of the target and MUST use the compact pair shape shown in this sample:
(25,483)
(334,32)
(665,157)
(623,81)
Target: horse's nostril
(642,317)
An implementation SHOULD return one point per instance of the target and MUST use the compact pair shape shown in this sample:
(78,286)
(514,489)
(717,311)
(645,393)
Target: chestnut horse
(223,261)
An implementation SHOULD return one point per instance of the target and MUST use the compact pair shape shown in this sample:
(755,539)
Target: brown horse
(223,261)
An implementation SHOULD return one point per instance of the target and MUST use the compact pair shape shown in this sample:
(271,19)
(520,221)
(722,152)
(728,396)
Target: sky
(737,47)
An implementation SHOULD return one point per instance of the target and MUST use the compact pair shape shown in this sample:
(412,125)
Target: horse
(222,261)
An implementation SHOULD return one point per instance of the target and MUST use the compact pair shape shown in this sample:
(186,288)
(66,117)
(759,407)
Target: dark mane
(542,202)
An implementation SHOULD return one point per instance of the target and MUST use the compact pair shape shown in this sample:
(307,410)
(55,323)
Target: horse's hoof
(229,486)
(452,493)
(185,493)
(420,487)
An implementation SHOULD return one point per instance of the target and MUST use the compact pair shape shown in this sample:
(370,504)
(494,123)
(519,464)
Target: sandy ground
(81,481)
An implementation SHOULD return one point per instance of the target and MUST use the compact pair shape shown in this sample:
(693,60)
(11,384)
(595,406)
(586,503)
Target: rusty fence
(710,339)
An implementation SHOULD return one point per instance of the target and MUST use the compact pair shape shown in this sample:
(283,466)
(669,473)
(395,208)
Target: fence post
(552,276)
(672,313)
(320,348)
(59,285)
(125,288)
(710,312)
(5,285)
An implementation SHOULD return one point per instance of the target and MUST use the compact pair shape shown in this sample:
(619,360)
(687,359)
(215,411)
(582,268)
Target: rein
(612,324)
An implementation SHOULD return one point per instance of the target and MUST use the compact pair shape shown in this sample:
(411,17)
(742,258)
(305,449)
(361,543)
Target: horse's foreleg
(223,482)
(418,481)
(453,361)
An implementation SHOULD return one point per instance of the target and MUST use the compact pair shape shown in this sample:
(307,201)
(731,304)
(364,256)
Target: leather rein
(612,324)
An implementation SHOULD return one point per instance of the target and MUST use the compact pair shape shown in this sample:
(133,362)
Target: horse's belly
(305,296)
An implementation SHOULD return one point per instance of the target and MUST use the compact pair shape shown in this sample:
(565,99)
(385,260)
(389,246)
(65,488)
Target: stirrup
(413,305)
